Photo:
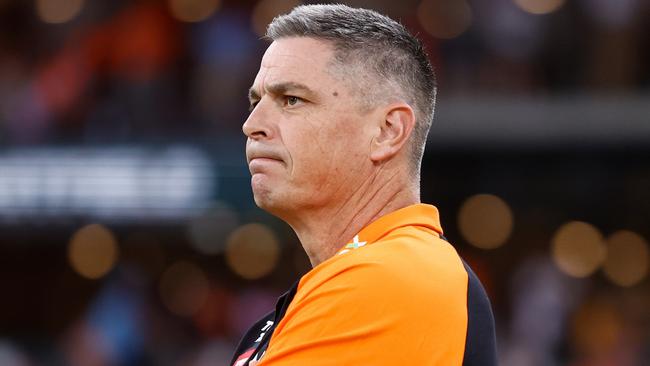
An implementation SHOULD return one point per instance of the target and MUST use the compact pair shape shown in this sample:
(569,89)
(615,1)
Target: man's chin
(261,201)
(269,205)
(271,196)
(263,197)
(270,202)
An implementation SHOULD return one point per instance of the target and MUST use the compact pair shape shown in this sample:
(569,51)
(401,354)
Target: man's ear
(394,130)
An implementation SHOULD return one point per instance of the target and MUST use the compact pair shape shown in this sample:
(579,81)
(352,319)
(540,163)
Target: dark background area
(128,233)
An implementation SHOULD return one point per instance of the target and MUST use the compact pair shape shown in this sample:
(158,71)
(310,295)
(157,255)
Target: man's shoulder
(405,252)
(396,265)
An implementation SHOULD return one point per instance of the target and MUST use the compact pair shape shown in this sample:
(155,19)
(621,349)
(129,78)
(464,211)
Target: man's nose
(256,125)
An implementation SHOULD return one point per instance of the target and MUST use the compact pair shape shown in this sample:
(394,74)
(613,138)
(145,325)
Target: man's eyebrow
(286,87)
(252,94)
(281,88)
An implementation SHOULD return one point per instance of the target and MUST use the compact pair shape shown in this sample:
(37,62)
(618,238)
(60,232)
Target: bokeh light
(266,10)
(92,251)
(209,231)
(193,10)
(539,6)
(184,288)
(485,221)
(58,11)
(212,318)
(252,251)
(627,258)
(596,327)
(445,19)
(578,248)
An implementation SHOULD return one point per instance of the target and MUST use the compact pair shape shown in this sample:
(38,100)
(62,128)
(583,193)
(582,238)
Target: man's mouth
(259,164)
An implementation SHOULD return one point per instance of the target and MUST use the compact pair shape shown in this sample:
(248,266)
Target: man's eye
(252,106)
(291,100)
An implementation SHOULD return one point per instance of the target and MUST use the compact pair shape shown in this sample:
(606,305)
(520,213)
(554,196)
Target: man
(340,111)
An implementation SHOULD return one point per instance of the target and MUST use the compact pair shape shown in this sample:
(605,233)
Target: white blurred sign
(110,183)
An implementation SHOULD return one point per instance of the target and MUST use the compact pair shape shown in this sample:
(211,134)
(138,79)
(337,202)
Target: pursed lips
(257,160)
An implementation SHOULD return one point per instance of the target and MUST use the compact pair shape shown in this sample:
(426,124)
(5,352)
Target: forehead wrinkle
(276,81)
(280,65)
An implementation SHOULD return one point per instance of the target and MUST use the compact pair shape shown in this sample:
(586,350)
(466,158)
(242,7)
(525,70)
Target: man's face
(308,139)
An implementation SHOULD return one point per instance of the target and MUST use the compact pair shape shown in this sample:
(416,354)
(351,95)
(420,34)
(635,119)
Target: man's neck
(323,231)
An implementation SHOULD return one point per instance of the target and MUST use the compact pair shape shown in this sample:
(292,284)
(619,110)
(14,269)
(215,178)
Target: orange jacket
(397,294)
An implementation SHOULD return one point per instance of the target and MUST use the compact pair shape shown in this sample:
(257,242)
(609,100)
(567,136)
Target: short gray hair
(380,48)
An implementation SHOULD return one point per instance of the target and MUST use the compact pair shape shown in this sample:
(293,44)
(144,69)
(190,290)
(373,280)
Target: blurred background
(128,233)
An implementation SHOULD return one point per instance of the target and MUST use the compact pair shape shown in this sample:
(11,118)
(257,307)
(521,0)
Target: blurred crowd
(104,73)
(118,71)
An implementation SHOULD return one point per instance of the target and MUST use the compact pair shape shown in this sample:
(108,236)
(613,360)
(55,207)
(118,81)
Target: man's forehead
(297,49)
(296,58)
